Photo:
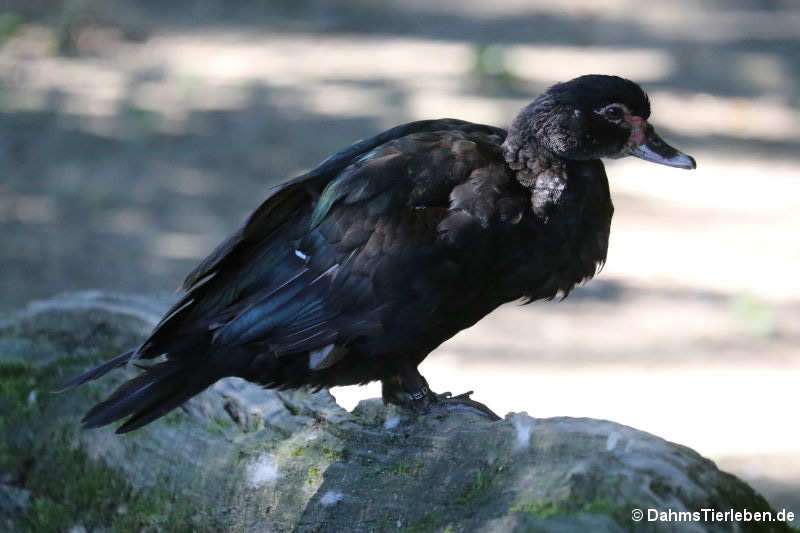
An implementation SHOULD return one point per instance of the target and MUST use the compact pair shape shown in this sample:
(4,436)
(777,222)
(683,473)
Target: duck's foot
(413,394)
(461,402)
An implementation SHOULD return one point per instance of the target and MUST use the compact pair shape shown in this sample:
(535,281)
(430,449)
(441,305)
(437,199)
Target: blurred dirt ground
(134,136)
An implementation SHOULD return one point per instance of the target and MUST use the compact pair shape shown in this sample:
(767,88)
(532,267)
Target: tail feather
(97,371)
(144,416)
(161,388)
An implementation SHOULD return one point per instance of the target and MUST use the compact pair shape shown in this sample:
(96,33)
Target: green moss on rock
(68,489)
(312,467)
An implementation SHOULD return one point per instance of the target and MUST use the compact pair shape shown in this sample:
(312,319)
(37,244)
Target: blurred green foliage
(10,23)
(758,315)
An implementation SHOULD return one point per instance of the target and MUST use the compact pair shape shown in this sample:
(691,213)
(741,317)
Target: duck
(358,269)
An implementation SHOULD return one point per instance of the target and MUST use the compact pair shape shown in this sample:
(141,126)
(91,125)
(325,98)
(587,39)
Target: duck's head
(591,117)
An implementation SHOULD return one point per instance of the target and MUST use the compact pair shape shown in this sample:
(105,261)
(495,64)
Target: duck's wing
(407,166)
(361,246)
(264,261)
(323,262)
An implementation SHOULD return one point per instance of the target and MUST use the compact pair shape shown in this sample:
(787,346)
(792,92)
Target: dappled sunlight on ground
(725,226)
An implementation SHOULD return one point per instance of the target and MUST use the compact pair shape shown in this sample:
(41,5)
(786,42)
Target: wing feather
(269,282)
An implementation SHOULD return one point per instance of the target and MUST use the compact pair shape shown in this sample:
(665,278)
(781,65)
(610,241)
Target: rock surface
(239,458)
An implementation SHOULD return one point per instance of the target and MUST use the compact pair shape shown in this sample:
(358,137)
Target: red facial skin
(636,123)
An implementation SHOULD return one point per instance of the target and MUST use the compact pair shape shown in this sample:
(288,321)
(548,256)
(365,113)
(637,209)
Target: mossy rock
(240,458)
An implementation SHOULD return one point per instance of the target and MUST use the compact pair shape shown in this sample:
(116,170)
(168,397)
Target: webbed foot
(461,402)
(412,392)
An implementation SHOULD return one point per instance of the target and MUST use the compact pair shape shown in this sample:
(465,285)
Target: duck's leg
(410,390)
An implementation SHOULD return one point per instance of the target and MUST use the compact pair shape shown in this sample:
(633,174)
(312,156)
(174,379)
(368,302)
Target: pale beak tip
(684,161)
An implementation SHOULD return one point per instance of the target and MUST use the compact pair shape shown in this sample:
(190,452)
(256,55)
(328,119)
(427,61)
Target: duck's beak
(649,146)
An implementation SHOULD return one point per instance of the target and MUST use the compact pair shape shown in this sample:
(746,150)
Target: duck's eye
(614,113)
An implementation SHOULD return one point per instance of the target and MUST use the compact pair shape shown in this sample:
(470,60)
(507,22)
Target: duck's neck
(572,207)
(538,170)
